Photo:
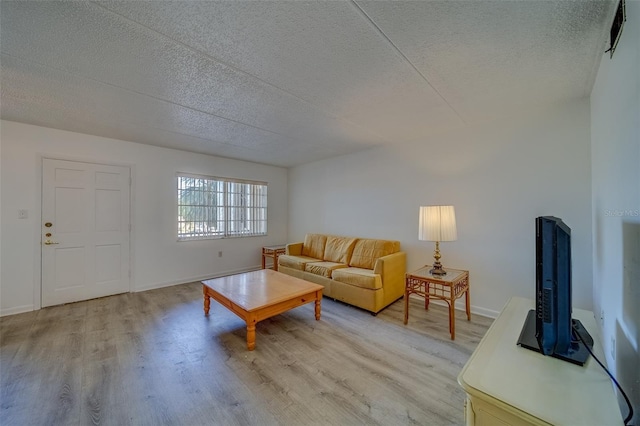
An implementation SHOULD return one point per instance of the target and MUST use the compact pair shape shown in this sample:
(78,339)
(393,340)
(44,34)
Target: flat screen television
(549,329)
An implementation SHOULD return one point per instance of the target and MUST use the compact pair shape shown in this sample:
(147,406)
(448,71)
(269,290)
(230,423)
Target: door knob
(49,243)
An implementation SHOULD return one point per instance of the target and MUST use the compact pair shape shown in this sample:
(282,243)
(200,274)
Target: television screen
(553,285)
(549,329)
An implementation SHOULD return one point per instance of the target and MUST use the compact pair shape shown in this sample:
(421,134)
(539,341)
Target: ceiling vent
(616,26)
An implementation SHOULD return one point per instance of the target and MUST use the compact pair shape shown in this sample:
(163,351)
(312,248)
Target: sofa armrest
(294,249)
(392,269)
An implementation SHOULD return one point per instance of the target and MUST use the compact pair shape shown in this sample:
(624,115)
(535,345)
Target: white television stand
(509,385)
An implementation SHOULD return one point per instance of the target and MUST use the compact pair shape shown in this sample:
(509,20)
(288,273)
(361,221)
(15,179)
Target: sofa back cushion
(339,249)
(367,251)
(313,245)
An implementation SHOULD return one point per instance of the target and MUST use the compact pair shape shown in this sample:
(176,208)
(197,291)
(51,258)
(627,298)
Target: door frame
(37,268)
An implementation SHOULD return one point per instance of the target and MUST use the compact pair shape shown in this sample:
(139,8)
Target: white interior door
(85,231)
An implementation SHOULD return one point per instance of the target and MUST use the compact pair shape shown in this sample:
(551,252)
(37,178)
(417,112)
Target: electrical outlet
(220,253)
(613,348)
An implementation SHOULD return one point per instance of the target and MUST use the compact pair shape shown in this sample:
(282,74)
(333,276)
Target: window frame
(241,210)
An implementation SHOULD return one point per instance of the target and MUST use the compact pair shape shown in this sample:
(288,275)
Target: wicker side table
(449,288)
(272,252)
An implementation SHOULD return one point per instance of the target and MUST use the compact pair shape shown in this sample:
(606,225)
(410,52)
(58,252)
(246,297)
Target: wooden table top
(257,289)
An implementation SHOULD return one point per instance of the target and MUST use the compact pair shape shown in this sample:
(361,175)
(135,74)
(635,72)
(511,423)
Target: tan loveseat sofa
(362,272)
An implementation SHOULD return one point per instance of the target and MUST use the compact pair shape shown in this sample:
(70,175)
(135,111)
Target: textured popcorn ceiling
(286,83)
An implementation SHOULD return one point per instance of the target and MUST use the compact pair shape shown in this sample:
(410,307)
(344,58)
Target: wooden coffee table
(258,295)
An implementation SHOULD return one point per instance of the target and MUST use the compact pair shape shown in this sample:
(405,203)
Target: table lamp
(437,223)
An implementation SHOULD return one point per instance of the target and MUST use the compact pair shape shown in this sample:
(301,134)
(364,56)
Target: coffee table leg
(318,302)
(251,319)
(207,301)
(251,336)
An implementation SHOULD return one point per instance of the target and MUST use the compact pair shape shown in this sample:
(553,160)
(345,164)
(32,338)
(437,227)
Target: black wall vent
(616,26)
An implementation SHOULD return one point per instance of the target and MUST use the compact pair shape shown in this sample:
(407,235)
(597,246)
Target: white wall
(615,137)
(499,176)
(0,217)
(157,258)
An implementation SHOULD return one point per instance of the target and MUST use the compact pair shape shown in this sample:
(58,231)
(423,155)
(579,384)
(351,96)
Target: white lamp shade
(437,223)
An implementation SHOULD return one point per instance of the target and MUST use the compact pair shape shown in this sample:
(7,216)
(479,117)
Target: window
(211,207)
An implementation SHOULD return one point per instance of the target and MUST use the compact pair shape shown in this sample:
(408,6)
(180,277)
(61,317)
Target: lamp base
(437,266)
(437,269)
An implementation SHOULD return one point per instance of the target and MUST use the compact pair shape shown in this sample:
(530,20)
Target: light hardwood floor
(154,358)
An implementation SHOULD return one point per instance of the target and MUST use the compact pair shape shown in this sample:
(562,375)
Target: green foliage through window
(210,207)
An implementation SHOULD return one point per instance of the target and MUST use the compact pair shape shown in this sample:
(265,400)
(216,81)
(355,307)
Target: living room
(576,158)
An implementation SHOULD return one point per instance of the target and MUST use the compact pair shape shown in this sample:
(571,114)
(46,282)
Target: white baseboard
(16,310)
(460,306)
(28,308)
(484,312)
(193,279)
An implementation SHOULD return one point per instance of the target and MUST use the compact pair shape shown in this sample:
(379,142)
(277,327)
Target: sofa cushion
(313,245)
(339,249)
(294,262)
(324,269)
(358,277)
(366,251)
